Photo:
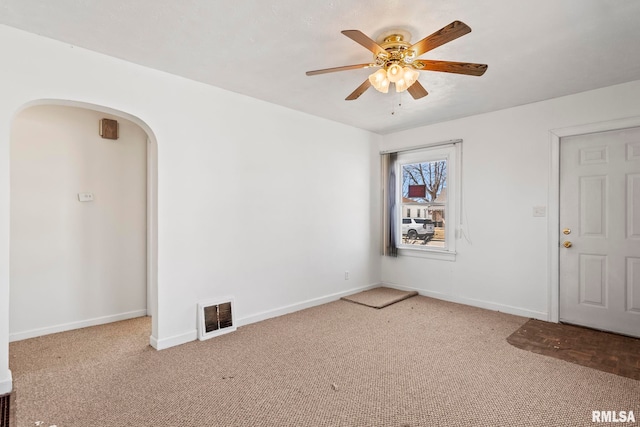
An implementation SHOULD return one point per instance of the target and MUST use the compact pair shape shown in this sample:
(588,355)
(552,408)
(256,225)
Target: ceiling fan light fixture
(380,81)
(401,85)
(394,72)
(409,75)
(399,60)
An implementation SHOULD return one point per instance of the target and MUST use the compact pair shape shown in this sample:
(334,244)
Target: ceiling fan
(399,63)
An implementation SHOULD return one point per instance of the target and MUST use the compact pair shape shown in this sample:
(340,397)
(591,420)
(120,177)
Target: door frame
(151,258)
(556,136)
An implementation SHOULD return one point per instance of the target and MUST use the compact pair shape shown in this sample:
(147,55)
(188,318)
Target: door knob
(566,231)
(567,244)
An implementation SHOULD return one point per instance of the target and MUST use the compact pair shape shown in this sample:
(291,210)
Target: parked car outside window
(418,228)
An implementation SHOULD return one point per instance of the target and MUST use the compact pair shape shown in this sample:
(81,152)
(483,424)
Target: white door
(600,220)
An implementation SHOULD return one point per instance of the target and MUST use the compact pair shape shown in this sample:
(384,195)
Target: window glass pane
(424,193)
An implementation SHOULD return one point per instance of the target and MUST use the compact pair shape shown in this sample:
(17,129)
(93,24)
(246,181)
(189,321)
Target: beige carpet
(420,362)
(380,297)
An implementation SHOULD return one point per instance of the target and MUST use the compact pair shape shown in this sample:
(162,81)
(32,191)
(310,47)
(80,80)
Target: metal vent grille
(5,410)
(215,318)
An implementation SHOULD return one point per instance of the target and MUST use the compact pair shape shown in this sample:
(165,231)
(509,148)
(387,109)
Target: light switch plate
(85,197)
(539,211)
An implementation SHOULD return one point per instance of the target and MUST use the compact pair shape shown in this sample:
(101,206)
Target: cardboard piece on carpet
(379,297)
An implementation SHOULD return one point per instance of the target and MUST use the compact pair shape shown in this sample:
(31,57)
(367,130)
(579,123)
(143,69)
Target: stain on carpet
(608,352)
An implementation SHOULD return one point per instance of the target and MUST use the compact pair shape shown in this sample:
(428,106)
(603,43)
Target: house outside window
(427,189)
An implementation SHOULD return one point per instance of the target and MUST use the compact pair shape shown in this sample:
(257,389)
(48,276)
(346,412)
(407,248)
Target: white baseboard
(517,311)
(164,343)
(17,336)
(301,305)
(6,385)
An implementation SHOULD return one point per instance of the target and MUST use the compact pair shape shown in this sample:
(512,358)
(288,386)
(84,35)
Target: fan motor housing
(397,48)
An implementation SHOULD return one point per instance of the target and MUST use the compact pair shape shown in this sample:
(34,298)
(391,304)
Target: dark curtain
(390,241)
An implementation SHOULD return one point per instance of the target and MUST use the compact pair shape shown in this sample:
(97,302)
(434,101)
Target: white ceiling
(535,49)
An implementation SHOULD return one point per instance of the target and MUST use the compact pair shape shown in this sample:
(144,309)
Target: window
(426,184)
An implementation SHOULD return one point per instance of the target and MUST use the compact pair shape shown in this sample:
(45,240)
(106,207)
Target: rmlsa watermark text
(613,417)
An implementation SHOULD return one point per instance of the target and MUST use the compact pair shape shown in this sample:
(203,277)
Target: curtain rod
(418,147)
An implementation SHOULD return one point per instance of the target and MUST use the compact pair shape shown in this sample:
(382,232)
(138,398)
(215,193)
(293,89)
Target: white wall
(505,264)
(75,264)
(220,156)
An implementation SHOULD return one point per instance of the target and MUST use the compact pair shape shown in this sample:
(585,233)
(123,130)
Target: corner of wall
(164,343)
(6,385)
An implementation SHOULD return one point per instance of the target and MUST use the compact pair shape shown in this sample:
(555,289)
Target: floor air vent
(215,318)
(5,410)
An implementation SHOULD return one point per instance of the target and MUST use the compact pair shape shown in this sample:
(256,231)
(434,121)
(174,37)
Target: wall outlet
(346,275)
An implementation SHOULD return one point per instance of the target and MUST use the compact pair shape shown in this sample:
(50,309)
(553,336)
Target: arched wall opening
(93,261)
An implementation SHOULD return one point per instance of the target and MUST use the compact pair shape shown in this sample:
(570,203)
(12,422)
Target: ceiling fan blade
(361,38)
(444,35)
(417,90)
(450,67)
(359,91)
(334,69)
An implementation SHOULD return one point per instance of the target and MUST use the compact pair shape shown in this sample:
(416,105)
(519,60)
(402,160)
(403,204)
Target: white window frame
(452,154)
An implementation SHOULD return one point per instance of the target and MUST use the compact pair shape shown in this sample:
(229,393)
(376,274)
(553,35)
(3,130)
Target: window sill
(427,253)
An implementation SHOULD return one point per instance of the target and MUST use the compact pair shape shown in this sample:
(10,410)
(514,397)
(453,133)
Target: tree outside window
(424,196)
(432,175)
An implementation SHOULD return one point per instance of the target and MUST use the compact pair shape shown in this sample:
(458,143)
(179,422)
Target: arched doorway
(83,228)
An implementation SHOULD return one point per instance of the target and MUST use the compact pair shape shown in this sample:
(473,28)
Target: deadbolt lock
(567,244)
(566,231)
